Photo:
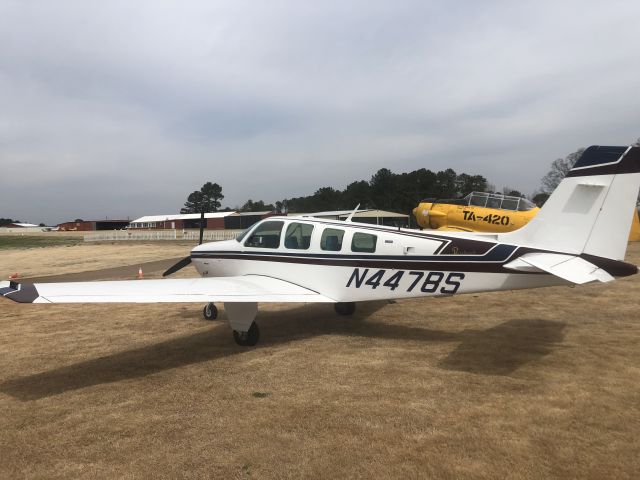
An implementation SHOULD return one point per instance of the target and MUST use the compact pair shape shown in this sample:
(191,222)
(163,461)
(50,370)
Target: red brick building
(93,225)
(215,221)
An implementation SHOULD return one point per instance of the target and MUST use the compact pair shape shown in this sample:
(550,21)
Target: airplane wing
(248,288)
(568,267)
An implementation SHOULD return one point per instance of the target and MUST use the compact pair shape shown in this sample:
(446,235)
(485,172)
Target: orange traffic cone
(140,274)
(13,276)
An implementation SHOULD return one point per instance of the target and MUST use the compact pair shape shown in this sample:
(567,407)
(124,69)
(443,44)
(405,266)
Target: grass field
(529,384)
(33,241)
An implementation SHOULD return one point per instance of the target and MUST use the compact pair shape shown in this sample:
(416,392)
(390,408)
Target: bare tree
(559,169)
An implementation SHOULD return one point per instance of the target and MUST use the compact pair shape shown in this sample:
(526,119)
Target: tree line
(7,221)
(385,190)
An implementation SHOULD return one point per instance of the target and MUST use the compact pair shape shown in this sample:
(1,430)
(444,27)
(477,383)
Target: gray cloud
(116,109)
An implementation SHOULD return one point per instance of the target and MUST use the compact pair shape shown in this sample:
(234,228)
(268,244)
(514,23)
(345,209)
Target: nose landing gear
(210,312)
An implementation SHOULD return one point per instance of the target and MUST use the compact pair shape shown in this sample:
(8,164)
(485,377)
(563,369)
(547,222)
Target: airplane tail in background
(589,212)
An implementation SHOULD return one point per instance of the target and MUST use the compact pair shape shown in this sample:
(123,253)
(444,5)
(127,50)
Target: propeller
(178,266)
(186,260)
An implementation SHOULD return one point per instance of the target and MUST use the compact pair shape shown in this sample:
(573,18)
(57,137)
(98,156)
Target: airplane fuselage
(397,263)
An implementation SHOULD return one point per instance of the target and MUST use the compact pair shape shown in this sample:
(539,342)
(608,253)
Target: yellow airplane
(477,212)
(486,212)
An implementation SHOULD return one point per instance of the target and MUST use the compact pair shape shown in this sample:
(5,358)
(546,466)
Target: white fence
(211,235)
(187,235)
(24,230)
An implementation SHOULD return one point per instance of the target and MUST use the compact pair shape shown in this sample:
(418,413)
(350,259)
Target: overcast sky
(119,108)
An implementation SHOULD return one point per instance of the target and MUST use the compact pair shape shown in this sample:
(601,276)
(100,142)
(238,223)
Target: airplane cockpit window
(331,239)
(476,200)
(298,236)
(266,235)
(494,201)
(499,201)
(363,242)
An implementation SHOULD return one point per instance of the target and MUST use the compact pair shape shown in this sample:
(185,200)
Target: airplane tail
(590,211)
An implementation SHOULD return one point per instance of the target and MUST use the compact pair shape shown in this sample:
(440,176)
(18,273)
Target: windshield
(266,235)
(243,234)
(498,201)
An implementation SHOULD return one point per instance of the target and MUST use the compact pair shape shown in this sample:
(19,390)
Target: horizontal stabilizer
(568,267)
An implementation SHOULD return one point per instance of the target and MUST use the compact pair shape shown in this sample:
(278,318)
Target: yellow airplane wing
(634,236)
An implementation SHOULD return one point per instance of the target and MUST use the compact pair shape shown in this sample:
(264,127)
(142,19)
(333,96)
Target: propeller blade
(178,266)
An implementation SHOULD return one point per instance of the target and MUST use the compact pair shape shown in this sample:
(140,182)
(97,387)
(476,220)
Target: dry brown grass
(530,384)
(87,256)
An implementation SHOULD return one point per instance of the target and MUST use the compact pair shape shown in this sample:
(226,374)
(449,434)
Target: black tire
(247,339)
(210,312)
(345,308)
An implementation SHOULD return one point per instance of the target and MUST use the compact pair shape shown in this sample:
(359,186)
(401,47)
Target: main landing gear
(241,317)
(210,312)
(249,338)
(345,308)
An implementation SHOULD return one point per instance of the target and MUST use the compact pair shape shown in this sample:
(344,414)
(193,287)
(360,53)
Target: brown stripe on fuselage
(465,246)
(368,262)
(613,267)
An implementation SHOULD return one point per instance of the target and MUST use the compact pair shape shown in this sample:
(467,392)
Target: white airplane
(579,236)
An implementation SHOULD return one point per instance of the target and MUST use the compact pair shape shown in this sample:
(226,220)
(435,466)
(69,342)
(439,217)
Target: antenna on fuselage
(350,217)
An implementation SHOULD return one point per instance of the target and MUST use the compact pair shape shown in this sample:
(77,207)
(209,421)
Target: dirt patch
(528,384)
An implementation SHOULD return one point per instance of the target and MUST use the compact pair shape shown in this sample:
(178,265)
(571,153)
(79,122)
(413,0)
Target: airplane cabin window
(331,239)
(363,242)
(266,235)
(298,236)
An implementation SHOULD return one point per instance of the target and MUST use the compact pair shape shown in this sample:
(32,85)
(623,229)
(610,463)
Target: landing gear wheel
(247,339)
(345,308)
(210,312)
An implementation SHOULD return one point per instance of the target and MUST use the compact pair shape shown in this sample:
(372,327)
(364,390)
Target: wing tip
(19,292)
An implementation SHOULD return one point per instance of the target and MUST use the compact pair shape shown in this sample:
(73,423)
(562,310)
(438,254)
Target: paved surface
(127,272)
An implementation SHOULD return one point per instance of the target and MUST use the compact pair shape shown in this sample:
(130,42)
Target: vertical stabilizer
(589,211)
